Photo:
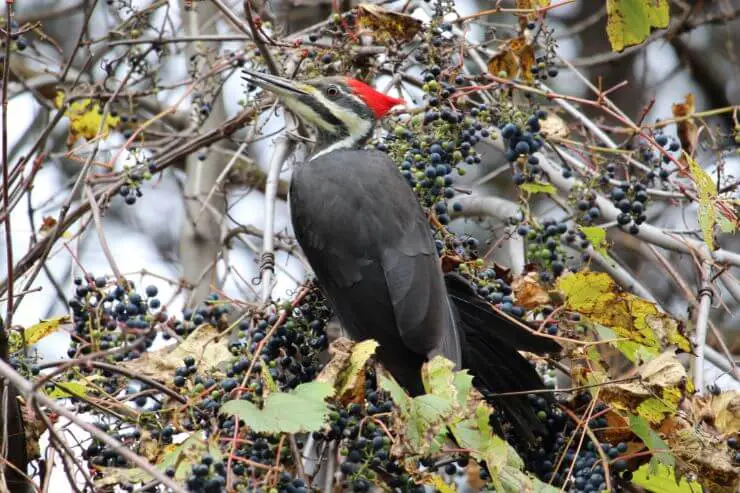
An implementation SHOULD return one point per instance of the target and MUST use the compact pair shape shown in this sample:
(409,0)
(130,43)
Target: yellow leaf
(661,478)
(629,22)
(45,327)
(269,382)
(209,348)
(85,118)
(538,187)
(726,408)
(597,236)
(597,297)
(439,485)
(707,195)
(346,370)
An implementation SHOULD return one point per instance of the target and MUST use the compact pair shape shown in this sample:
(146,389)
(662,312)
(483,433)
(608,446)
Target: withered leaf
(515,58)
(387,25)
(686,129)
(528,291)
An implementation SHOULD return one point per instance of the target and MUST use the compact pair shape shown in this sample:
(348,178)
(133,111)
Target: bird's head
(342,110)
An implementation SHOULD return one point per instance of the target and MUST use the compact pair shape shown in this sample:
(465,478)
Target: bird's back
(369,244)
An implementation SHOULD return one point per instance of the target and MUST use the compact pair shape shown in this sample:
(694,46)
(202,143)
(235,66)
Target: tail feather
(490,350)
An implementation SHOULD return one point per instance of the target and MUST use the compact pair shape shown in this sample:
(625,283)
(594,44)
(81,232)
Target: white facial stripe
(310,115)
(357,127)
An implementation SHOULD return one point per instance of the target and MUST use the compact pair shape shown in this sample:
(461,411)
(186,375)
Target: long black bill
(273,83)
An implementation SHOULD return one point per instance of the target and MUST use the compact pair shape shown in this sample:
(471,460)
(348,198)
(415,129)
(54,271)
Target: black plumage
(370,246)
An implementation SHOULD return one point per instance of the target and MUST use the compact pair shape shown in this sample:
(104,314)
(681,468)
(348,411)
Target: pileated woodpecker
(370,246)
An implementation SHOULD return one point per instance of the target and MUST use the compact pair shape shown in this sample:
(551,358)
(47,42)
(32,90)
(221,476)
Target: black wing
(369,245)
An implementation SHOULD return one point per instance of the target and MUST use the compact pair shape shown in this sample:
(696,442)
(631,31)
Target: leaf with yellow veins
(634,320)
(712,210)
(85,118)
(629,22)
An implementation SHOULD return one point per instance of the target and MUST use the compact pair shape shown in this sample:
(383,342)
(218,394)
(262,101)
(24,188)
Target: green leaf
(651,439)
(302,409)
(662,479)
(539,187)
(597,236)
(629,22)
(398,395)
(632,350)
(63,390)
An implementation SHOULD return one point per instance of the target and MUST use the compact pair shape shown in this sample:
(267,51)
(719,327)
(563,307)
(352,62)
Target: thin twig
(26,389)
(702,319)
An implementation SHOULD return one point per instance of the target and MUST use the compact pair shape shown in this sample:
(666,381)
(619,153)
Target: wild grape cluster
(630,199)
(544,247)
(568,458)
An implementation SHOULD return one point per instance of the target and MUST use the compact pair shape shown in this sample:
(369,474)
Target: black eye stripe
(323,112)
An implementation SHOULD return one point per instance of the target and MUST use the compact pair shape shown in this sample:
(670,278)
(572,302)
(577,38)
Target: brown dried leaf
(47,224)
(450,263)
(553,126)
(149,447)
(708,457)
(516,58)
(686,129)
(528,291)
(656,394)
(210,350)
(387,25)
(726,407)
(504,62)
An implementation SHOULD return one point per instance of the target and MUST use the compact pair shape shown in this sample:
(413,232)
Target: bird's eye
(332,91)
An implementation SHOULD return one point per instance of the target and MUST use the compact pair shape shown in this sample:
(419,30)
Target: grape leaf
(452,404)
(629,21)
(302,409)
(44,328)
(662,479)
(539,187)
(651,439)
(662,384)
(597,297)
(209,348)
(597,236)
(182,457)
